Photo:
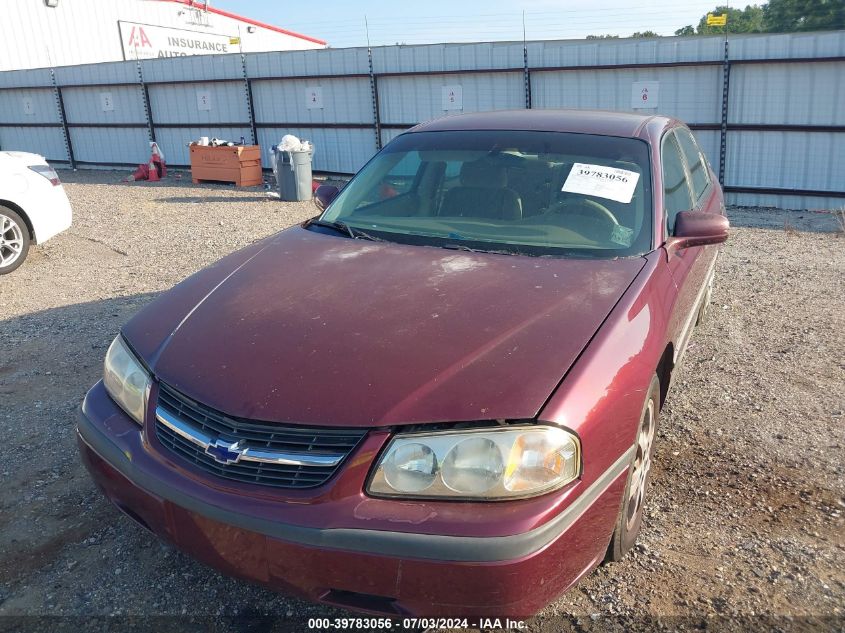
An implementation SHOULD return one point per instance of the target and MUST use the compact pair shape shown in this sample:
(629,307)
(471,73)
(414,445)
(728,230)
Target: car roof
(604,122)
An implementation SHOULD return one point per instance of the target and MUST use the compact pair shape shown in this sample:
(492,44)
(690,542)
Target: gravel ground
(745,523)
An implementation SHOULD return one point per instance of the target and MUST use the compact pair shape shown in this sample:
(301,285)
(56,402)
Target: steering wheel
(592,207)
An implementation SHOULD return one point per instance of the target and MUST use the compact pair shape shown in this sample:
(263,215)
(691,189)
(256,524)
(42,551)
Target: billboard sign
(144,41)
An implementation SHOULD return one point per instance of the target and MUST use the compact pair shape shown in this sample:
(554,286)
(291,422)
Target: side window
(676,190)
(695,161)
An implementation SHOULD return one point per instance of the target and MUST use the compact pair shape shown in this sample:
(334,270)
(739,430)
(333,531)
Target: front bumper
(387,571)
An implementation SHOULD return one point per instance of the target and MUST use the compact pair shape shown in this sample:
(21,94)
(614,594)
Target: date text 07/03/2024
(414,623)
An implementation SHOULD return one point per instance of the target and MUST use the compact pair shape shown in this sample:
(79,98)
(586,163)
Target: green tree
(645,34)
(776,16)
(602,37)
(785,16)
(747,20)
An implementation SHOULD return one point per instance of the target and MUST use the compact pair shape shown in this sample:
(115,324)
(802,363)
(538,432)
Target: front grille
(298,440)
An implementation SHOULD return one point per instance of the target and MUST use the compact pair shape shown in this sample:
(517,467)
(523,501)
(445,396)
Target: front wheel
(14,240)
(630,519)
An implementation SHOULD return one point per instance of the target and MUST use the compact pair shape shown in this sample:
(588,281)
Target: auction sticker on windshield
(603,182)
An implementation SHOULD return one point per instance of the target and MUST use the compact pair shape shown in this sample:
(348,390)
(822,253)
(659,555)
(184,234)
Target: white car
(33,206)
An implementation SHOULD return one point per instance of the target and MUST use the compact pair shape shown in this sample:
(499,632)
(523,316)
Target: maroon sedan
(440,396)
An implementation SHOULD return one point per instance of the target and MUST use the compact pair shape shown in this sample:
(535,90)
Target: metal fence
(767,109)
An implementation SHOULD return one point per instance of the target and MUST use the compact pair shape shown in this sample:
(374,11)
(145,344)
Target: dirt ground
(744,528)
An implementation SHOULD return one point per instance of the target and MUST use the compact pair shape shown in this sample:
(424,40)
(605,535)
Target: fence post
(723,137)
(526,73)
(249,101)
(60,106)
(374,95)
(145,97)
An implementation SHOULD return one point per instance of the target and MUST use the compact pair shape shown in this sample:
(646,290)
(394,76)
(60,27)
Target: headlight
(126,380)
(489,463)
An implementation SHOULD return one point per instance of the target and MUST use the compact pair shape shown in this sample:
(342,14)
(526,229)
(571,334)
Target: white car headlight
(489,463)
(126,380)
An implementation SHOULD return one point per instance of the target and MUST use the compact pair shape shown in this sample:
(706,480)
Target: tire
(14,240)
(704,309)
(630,520)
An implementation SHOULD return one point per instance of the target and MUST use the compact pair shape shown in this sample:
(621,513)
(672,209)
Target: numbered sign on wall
(453,98)
(28,107)
(106,102)
(644,94)
(203,100)
(314,98)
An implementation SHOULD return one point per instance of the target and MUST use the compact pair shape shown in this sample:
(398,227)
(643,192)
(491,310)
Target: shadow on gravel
(204,199)
(50,359)
(70,336)
(117,177)
(67,557)
(784,220)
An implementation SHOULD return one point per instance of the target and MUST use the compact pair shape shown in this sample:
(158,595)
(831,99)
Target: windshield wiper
(343,227)
(340,227)
(464,247)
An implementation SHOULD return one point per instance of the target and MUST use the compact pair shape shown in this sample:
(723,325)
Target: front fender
(601,397)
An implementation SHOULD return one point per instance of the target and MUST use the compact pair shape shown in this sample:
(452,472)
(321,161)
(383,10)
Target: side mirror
(698,228)
(324,195)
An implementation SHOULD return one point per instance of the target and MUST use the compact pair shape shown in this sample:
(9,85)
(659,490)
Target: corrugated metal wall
(663,50)
(785,120)
(342,130)
(47,141)
(409,100)
(111,141)
(29,106)
(30,115)
(280,108)
(447,57)
(692,94)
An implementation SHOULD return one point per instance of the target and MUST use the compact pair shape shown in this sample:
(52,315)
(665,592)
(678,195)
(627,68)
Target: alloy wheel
(11,241)
(642,466)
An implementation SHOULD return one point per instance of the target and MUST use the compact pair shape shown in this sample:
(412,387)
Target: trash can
(293,174)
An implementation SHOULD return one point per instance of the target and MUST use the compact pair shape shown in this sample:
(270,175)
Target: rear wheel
(630,519)
(14,240)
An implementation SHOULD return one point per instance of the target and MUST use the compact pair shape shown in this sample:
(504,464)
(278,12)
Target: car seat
(482,193)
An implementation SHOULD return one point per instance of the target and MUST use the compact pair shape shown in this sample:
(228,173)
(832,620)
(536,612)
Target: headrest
(481,173)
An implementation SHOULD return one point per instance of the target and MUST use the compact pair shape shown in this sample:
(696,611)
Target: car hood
(320,329)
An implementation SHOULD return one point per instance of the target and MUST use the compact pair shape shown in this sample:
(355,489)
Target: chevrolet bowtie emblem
(225,452)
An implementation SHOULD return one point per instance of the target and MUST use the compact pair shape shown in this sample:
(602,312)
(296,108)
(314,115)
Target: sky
(341,22)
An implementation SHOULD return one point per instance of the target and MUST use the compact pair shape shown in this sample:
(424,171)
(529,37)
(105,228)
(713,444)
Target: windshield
(532,193)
